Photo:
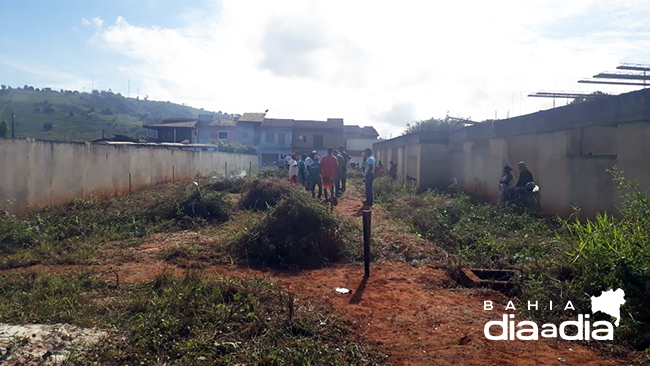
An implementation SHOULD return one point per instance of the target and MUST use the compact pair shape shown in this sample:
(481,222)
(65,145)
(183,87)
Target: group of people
(508,193)
(328,173)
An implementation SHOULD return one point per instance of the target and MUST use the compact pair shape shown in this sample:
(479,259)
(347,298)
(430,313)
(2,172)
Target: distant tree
(3,86)
(61,91)
(596,94)
(26,87)
(433,124)
(47,126)
(31,88)
(71,113)
(36,89)
(4,130)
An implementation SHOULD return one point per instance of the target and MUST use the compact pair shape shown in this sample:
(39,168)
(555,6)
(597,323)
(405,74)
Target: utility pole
(13,125)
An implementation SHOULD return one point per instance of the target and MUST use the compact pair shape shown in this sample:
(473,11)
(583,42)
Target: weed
(185,321)
(298,233)
(260,194)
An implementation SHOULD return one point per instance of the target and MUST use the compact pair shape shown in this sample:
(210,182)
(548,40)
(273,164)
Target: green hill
(73,116)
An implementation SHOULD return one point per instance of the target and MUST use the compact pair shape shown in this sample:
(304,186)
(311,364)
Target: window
(270,136)
(318,141)
(281,139)
(223,135)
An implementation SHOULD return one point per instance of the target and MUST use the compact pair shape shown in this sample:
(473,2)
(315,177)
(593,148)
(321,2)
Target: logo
(609,302)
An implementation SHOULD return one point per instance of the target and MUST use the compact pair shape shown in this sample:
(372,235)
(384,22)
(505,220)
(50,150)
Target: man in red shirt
(329,163)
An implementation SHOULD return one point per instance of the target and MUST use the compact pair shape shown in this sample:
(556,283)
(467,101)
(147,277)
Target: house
(271,136)
(317,135)
(202,130)
(358,139)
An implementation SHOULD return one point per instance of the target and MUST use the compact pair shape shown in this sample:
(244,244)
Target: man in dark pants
(525,176)
(344,172)
(369,176)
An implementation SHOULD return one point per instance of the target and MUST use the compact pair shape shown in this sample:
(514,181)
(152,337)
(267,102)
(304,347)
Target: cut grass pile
(263,193)
(297,233)
(185,321)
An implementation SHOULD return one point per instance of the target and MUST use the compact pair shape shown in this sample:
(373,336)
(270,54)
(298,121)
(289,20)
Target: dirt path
(416,312)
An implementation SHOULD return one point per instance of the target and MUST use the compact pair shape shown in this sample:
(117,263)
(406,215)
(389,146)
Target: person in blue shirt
(369,176)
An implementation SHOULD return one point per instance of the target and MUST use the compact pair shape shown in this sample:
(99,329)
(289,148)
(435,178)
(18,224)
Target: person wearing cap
(310,159)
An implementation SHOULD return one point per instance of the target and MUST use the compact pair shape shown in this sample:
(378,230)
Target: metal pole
(250,167)
(367,223)
(225,169)
(13,125)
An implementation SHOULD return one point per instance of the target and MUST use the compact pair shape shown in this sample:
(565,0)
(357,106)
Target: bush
(298,233)
(610,253)
(261,194)
(272,172)
(386,190)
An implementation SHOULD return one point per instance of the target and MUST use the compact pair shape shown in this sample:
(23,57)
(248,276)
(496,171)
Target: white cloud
(97,21)
(379,63)
(85,22)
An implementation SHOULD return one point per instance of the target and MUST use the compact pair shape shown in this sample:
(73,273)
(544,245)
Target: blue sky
(372,63)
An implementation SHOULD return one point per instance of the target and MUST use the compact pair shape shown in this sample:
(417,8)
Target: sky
(373,63)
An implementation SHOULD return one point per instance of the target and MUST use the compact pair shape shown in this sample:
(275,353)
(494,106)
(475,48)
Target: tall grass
(609,253)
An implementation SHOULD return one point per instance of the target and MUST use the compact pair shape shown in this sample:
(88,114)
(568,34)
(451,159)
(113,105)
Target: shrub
(298,233)
(272,172)
(610,253)
(386,190)
(261,194)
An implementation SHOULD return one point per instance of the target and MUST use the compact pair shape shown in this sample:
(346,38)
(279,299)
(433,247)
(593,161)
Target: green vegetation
(298,233)
(434,124)
(74,116)
(71,233)
(260,194)
(185,321)
(558,260)
(236,147)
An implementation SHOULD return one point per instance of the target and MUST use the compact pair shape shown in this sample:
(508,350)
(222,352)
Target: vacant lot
(181,274)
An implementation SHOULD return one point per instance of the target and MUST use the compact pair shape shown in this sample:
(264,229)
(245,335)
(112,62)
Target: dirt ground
(417,313)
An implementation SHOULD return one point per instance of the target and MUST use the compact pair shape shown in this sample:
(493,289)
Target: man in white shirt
(293,168)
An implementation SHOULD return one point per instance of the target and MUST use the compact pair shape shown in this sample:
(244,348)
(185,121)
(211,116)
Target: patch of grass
(71,233)
(298,233)
(272,172)
(186,321)
(261,194)
(559,260)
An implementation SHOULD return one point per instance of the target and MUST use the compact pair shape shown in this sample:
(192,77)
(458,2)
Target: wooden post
(250,167)
(226,169)
(367,224)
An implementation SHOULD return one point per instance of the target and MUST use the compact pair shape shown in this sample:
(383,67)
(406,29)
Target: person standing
(328,173)
(369,176)
(505,183)
(310,159)
(392,170)
(339,172)
(302,170)
(314,177)
(293,168)
(344,171)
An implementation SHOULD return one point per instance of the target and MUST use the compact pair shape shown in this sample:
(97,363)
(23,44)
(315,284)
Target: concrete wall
(569,151)
(36,173)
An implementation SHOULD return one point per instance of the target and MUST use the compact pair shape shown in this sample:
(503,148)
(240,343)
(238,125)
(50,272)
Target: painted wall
(41,173)
(569,151)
